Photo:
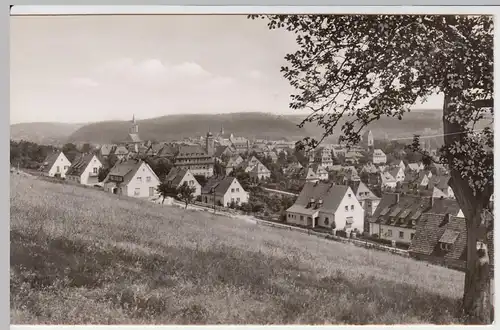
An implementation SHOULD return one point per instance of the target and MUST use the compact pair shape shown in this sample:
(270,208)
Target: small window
(412,235)
(348,195)
(401,234)
(148,179)
(237,189)
(137,191)
(301,217)
(232,190)
(139,178)
(94,170)
(347,208)
(389,232)
(352,207)
(327,222)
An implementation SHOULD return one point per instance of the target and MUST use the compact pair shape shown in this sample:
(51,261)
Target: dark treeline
(28,154)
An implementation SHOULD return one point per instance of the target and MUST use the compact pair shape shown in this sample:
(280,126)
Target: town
(372,191)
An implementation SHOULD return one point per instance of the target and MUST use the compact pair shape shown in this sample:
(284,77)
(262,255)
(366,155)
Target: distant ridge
(248,124)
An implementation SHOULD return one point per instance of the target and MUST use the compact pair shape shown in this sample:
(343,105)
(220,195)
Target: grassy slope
(83,256)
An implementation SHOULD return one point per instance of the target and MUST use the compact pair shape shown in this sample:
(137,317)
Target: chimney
(446,219)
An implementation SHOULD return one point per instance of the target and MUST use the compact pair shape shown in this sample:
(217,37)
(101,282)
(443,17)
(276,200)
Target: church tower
(134,129)
(210,143)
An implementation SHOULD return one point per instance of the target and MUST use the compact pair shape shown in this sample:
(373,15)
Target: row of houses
(433,228)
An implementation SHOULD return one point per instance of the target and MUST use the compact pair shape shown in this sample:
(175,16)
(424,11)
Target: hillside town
(372,191)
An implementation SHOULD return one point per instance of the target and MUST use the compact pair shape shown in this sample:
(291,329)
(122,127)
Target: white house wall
(63,164)
(357,213)
(85,178)
(392,233)
(143,184)
(189,177)
(235,192)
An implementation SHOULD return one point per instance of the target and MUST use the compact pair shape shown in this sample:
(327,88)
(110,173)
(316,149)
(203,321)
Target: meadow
(82,256)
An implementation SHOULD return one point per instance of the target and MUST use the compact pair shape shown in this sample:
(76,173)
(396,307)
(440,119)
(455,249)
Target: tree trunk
(163,200)
(476,299)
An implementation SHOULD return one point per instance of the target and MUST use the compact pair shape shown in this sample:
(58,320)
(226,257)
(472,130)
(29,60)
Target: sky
(80,69)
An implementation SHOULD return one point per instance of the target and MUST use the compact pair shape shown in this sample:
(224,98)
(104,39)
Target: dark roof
(176,175)
(120,150)
(125,169)
(220,150)
(167,150)
(331,195)
(355,185)
(192,151)
(79,165)
(433,228)
(439,181)
(402,213)
(218,185)
(444,206)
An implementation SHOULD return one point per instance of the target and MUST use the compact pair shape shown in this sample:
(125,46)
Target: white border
(21,10)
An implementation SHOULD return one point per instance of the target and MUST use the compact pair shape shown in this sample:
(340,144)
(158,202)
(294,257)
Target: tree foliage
(364,67)
(185,193)
(28,154)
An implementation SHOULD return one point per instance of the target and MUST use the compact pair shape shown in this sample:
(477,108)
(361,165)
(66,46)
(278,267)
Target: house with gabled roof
(379,157)
(398,163)
(106,150)
(415,167)
(369,168)
(223,190)
(240,144)
(272,155)
(368,200)
(85,170)
(303,175)
(120,152)
(320,171)
(440,186)
(397,215)
(232,163)
(442,239)
(168,151)
(259,172)
(55,164)
(387,181)
(326,205)
(222,152)
(179,176)
(132,177)
(323,157)
(398,174)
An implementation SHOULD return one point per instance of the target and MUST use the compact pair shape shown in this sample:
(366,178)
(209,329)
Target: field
(81,256)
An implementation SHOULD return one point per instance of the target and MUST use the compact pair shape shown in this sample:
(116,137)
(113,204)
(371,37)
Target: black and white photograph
(263,168)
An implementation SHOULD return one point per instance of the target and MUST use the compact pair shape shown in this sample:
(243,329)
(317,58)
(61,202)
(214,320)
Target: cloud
(255,74)
(190,69)
(82,81)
